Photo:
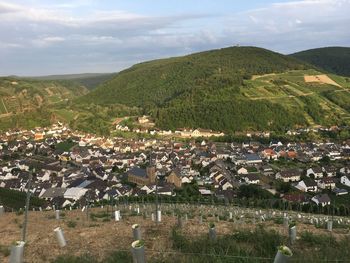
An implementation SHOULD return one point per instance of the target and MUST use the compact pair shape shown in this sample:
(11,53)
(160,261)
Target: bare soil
(101,237)
(322,79)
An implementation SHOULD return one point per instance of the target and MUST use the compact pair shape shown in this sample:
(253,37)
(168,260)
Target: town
(71,168)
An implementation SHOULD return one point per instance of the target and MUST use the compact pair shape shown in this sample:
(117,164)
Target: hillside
(98,238)
(221,90)
(89,80)
(26,102)
(331,59)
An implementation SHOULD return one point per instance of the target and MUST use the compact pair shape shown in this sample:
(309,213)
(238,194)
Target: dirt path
(4,106)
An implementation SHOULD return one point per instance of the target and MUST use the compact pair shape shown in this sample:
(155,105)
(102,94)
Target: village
(71,168)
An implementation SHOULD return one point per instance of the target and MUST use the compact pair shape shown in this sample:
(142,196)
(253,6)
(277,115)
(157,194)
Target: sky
(40,37)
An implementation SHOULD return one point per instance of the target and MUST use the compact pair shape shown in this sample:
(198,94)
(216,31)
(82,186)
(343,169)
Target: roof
(136,171)
(295,197)
(75,193)
(327,180)
(322,198)
(251,177)
(290,173)
(310,183)
(252,157)
(316,169)
(54,192)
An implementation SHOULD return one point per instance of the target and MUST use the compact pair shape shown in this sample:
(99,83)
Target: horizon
(102,73)
(80,36)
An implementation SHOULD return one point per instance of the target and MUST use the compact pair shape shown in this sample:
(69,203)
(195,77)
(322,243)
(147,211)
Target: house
(242,170)
(345,180)
(330,171)
(75,193)
(175,178)
(296,198)
(315,172)
(267,170)
(53,192)
(291,175)
(251,179)
(326,183)
(252,159)
(345,170)
(307,186)
(269,154)
(321,199)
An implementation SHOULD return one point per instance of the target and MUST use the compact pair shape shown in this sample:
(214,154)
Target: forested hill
(331,59)
(160,81)
(88,80)
(230,89)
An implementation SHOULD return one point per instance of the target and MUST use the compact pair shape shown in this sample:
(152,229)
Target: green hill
(331,59)
(218,90)
(28,103)
(89,80)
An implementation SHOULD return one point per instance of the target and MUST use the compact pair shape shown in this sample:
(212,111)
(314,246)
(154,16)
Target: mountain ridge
(333,59)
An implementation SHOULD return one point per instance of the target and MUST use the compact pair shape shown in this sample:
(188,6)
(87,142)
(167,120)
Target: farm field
(99,238)
(323,98)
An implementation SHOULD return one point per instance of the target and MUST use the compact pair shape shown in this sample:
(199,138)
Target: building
(175,178)
(291,175)
(141,176)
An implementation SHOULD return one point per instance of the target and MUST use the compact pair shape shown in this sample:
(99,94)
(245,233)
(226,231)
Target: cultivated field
(98,235)
(323,79)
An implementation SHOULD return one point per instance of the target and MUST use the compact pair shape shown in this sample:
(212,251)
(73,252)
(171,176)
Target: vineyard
(242,234)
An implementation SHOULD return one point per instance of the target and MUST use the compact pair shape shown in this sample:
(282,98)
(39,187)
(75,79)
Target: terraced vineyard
(20,95)
(322,102)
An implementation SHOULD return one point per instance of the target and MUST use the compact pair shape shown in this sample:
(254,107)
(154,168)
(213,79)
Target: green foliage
(202,90)
(253,191)
(65,145)
(331,59)
(16,200)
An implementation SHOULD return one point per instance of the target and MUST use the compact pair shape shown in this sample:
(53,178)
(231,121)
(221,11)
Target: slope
(89,80)
(27,103)
(157,82)
(331,59)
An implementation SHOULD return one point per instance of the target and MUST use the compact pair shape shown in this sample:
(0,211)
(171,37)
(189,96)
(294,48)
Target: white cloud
(96,41)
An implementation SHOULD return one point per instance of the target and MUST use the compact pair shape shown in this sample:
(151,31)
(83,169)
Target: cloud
(96,41)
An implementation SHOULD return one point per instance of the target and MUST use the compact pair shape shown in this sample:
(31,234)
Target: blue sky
(56,37)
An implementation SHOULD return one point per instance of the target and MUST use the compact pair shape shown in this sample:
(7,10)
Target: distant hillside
(331,59)
(231,89)
(89,80)
(27,102)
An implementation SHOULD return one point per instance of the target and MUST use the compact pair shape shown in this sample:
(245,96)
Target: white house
(322,199)
(307,186)
(326,183)
(75,193)
(345,180)
(251,179)
(315,171)
(292,175)
(242,170)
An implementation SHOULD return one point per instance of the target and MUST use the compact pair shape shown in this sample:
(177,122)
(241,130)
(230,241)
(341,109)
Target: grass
(115,257)
(246,246)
